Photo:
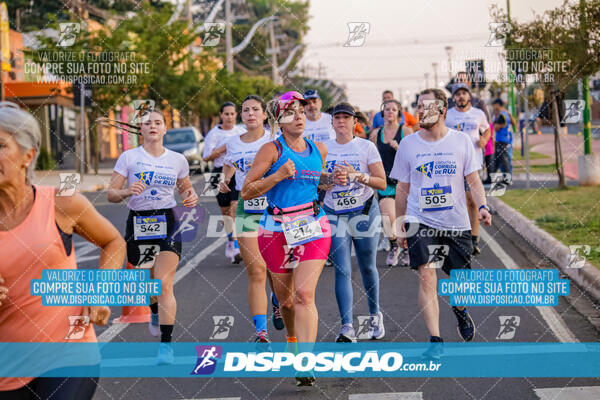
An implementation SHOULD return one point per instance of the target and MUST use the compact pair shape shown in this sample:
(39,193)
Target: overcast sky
(390,58)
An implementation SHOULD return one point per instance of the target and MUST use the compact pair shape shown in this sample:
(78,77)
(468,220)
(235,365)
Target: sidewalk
(571,145)
(89,182)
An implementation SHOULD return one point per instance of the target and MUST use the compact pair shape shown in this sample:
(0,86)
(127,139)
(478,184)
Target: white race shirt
(217,137)
(359,153)
(320,130)
(472,122)
(160,175)
(436,171)
(240,155)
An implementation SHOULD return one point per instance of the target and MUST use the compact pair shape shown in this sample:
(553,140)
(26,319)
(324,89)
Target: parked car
(189,142)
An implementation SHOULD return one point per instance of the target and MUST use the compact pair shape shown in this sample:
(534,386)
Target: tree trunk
(557,149)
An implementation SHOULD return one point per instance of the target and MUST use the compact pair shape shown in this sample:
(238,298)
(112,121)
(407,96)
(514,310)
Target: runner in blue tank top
(294,234)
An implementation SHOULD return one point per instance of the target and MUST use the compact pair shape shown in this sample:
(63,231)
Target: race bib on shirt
(301,229)
(345,201)
(255,206)
(151,227)
(436,198)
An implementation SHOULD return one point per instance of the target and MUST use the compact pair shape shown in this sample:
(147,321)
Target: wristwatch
(486,207)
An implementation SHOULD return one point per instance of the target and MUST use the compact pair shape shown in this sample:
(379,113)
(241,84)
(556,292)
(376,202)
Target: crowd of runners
(301,187)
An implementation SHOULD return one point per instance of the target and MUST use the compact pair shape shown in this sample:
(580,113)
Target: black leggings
(54,389)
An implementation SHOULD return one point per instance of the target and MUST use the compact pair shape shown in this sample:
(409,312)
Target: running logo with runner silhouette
(186,223)
(77,326)
(223,324)
(573,111)
(207,359)
(500,181)
(364,323)
(357,34)
(508,327)
(211,183)
(148,253)
(68,183)
(437,255)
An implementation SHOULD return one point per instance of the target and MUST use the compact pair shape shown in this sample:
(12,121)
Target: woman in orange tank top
(35,231)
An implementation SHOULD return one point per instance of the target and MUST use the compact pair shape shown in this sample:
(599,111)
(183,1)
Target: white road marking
(549,314)
(387,396)
(569,393)
(116,329)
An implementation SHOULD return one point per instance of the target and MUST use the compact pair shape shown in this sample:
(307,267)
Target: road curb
(587,277)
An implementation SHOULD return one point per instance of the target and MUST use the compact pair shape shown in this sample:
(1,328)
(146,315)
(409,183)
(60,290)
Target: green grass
(533,155)
(571,216)
(546,168)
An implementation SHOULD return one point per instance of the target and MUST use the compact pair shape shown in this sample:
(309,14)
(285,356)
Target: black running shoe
(466,326)
(435,349)
(307,380)
(276,317)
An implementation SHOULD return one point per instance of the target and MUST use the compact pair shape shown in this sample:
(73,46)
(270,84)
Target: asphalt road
(215,287)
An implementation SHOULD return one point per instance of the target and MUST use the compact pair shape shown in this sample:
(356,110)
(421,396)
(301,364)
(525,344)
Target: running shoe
(466,326)
(404,260)
(165,354)
(435,349)
(377,330)
(328,262)
(276,317)
(229,249)
(262,337)
(308,379)
(263,343)
(346,335)
(393,255)
(384,244)
(237,257)
(153,326)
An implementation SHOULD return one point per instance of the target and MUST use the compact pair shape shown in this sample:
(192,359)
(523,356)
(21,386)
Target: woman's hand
(190,198)
(224,186)
(137,188)
(98,314)
(286,170)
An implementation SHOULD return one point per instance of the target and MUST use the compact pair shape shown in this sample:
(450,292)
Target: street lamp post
(449,52)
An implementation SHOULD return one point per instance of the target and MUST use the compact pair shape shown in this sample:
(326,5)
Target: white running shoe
(384,244)
(377,330)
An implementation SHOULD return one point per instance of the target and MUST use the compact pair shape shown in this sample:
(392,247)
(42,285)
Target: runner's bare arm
(478,195)
(76,214)
(216,153)
(228,172)
(255,185)
(485,136)
(117,194)
(377,178)
(187,192)
(402,190)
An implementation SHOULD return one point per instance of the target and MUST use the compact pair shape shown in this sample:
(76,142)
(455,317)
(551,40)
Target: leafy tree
(570,35)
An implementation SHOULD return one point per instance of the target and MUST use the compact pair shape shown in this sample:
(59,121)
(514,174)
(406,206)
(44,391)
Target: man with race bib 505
(431,166)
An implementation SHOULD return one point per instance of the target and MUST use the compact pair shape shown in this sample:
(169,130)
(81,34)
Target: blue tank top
(504,135)
(302,188)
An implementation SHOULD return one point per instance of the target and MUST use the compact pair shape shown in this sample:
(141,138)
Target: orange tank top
(25,251)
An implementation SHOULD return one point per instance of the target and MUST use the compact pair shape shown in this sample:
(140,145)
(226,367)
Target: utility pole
(511,89)
(436,82)
(228,40)
(587,123)
(274,51)
(449,52)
